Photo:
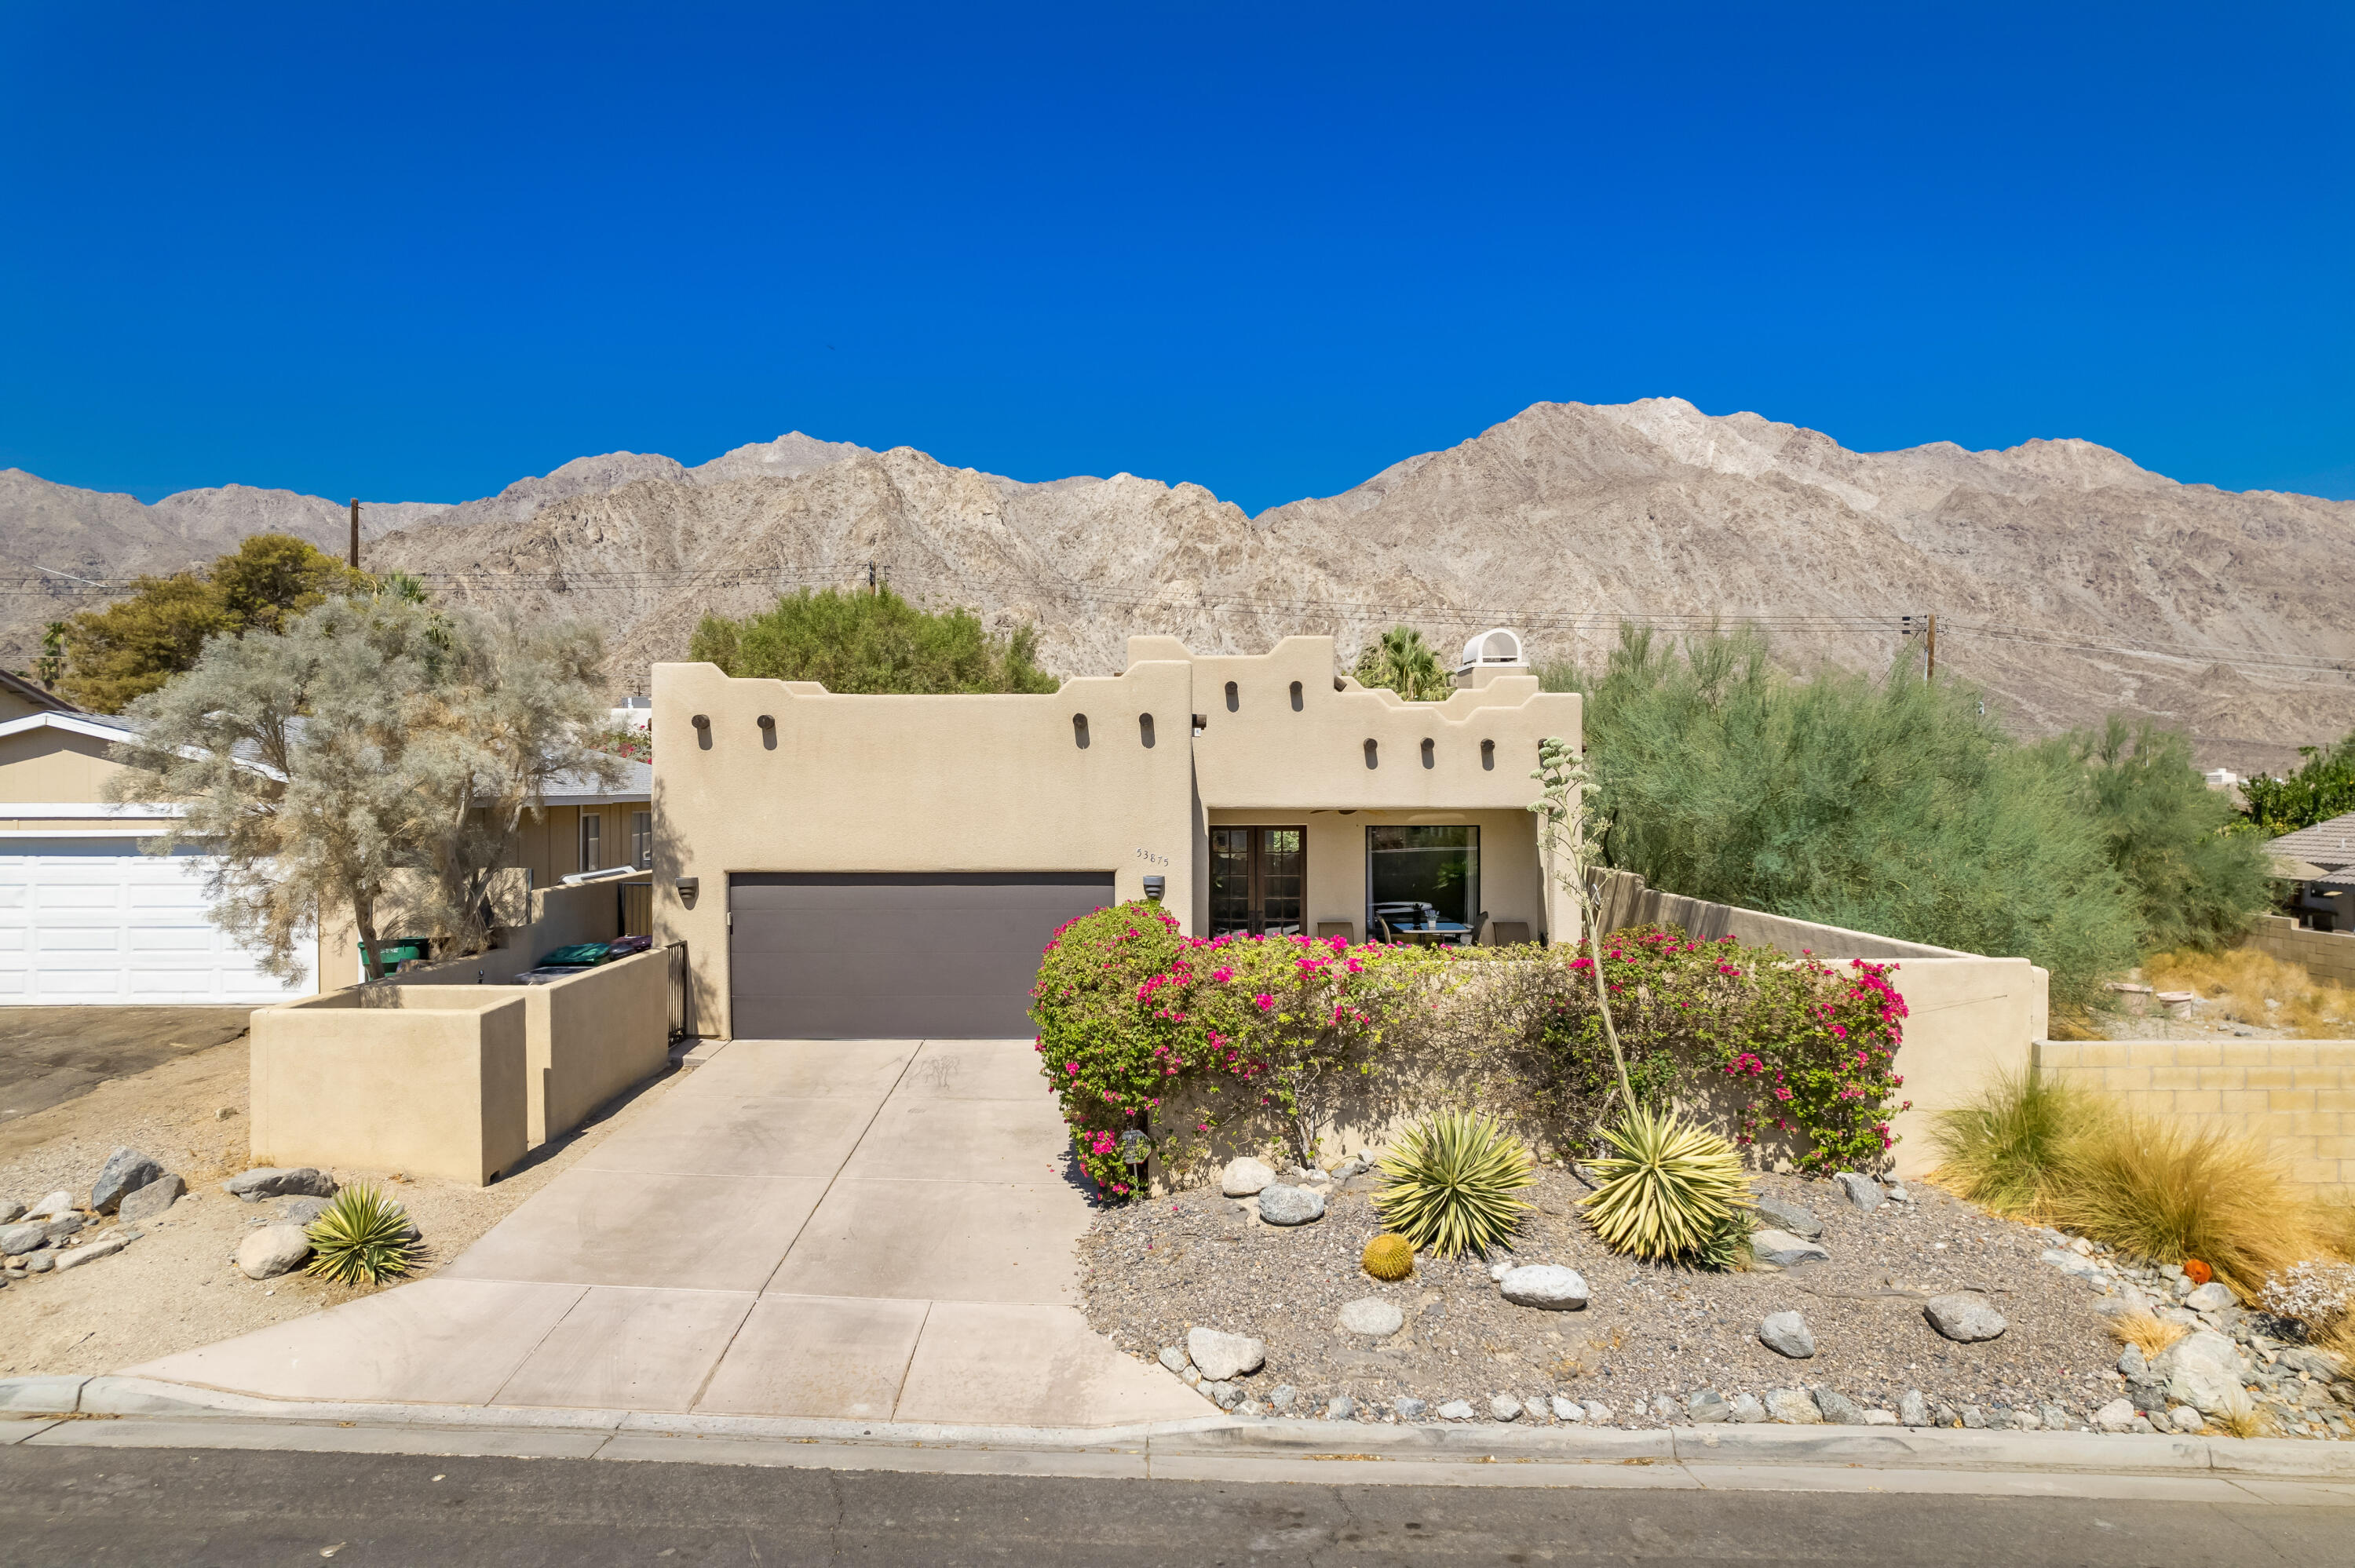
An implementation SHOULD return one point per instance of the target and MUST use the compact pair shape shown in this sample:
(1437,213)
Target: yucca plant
(1452,1181)
(362,1237)
(1671,1191)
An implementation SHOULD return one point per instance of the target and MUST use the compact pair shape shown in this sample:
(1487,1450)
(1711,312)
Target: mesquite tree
(376,756)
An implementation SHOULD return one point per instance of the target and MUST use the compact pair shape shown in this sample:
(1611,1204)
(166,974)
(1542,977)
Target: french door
(1259,879)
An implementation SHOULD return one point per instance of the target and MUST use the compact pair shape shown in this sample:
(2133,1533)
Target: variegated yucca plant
(1674,1191)
(1452,1184)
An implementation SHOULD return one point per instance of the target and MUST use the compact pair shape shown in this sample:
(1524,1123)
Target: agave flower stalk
(1572,838)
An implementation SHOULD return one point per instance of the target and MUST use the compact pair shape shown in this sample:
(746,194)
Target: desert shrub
(1453,1182)
(1899,806)
(2145,1332)
(2197,876)
(872,642)
(2005,1150)
(363,1236)
(2323,787)
(1401,660)
(1672,1190)
(1792,1046)
(2168,1191)
(2245,981)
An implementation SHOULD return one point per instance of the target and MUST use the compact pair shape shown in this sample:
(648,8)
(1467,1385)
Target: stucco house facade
(891,866)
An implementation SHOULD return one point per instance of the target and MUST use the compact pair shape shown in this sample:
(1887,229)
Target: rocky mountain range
(2068,581)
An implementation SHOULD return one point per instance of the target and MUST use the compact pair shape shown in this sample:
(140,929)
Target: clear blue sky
(416,252)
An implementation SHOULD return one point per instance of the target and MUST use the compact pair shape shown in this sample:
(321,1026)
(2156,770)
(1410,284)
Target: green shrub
(872,642)
(2197,876)
(1673,1190)
(1453,1184)
(1400,659)
(362,1237)
(1896,806)
(2323,787)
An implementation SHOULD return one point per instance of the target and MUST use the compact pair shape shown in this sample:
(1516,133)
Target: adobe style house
(888,867)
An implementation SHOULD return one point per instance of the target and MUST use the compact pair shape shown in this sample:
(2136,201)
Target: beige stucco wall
(2328,956)
(2297,1097)
(999,783)
(52,766)
(1969,1021)
(428,1090)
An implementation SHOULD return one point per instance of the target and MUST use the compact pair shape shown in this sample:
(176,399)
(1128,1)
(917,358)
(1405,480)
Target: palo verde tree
(376,758)
(872,642)
(108,657)
(1401,661)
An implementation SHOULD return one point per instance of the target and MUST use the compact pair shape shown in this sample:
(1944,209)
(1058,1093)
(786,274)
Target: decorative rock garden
(1867,1304)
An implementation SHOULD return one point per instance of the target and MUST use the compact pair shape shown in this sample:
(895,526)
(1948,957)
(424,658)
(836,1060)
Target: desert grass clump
(2244,1421)
(2005,1149)
(2144,1333)
(1453,1184)
(2332,1222)
(363,1237)
(2167,1192)
(1389,1256)
(2255,987)
(1674,1190)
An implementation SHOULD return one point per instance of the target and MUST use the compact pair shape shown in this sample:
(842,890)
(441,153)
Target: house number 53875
(1149,858)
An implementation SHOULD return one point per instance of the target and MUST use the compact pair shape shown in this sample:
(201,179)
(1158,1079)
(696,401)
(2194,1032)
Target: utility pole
(352,559)
(1931,642)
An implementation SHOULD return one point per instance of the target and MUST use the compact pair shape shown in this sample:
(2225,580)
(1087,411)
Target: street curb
(1875,1447)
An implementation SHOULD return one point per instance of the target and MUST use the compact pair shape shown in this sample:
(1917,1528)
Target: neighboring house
(893,867)
(2318,862)
(19,696)
(86,916)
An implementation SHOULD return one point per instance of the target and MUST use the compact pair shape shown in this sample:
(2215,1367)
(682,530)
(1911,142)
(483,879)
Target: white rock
(1340,1408)
(273,1250)
(1785,1333)
(1455,1410)
(1566,1409)
(1548,1286)
(1784,1250)
(1244,1178)
(1598,1412)
(1964,1318)
(2213,1296)
(1221,1356)
(2183,1418)
(1881,1418)
(1793,1407)
(1862,1190)
(1746,1409)
(1283,1204)
(1500,1266)
(1505,1407)
(1173,1357)
(2118,1416)
(56,1206)
(106,1246)
(1373,1316)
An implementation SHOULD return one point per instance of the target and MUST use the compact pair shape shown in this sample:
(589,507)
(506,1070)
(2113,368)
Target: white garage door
(93,920)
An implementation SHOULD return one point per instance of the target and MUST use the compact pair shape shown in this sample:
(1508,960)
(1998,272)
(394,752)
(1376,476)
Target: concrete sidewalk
(875,1230)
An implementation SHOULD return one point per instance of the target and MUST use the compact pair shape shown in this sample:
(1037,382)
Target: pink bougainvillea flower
(1266,1002)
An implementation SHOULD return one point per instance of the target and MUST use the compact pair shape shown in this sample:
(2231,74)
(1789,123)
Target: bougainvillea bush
(1791,1047)
(1138,1023)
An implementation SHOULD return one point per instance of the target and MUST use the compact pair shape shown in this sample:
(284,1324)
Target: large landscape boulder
(1964,1318)
(125,1171)
(2202,1371)
(1218,1357)
(1280,1204)
(1786,1334)
(1784,1250)
(27,1235)
(151,1199)
(1862,1190)
(281,1182)
(1244,1178)
(1373,1316)
(270,1251)
(1793,1407)
(1788,1217)
(1548,1286)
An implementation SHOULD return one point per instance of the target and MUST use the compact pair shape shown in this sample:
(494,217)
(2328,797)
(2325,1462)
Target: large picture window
(1421,878)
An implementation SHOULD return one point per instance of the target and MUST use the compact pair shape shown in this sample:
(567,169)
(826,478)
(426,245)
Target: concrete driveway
(864,1229)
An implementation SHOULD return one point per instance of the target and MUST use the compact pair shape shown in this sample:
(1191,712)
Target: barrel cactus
(1389,1256)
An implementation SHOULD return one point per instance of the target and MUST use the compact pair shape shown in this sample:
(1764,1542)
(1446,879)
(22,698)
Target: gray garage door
(895,956)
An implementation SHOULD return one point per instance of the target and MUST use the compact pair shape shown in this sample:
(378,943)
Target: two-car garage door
(895,956)
(93,920)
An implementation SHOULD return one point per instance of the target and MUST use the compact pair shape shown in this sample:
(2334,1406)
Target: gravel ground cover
(1153,1270)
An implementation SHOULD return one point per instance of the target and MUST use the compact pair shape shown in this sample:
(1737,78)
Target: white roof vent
(1498,646)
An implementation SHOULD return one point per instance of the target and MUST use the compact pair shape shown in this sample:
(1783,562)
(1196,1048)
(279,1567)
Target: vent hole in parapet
(1373,755)
(1295,697)
(702,723)
(768,723)
(1080,731)
(1489,755)
(1145,728)
(1429,754)
(1234,698)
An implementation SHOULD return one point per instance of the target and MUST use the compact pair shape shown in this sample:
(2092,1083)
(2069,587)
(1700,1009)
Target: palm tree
(1401,660)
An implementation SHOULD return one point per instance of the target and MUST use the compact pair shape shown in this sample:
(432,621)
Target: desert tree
(1401,660)
(376,758)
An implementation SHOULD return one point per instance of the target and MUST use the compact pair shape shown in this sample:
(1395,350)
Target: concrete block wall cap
(50,1395)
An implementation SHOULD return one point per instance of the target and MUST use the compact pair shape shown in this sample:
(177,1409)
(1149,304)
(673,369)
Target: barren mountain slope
(2067,580)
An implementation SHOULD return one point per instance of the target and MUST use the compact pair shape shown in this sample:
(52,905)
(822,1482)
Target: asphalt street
(220,1509)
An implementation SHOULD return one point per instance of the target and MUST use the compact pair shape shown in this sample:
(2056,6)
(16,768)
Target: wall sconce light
(1155,886)
(687,886)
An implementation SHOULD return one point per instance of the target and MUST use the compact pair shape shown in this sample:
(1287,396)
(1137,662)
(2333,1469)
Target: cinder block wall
(2328,956)
(2296,1095)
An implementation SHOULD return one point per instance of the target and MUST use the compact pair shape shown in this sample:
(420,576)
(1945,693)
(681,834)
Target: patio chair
(1345,930)
(1471,937)
(1512,933)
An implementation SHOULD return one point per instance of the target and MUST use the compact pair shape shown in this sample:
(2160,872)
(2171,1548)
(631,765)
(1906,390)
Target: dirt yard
(174,1289)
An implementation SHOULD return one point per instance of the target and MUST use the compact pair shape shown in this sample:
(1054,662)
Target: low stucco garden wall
(365,1078)
(2296,1097)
